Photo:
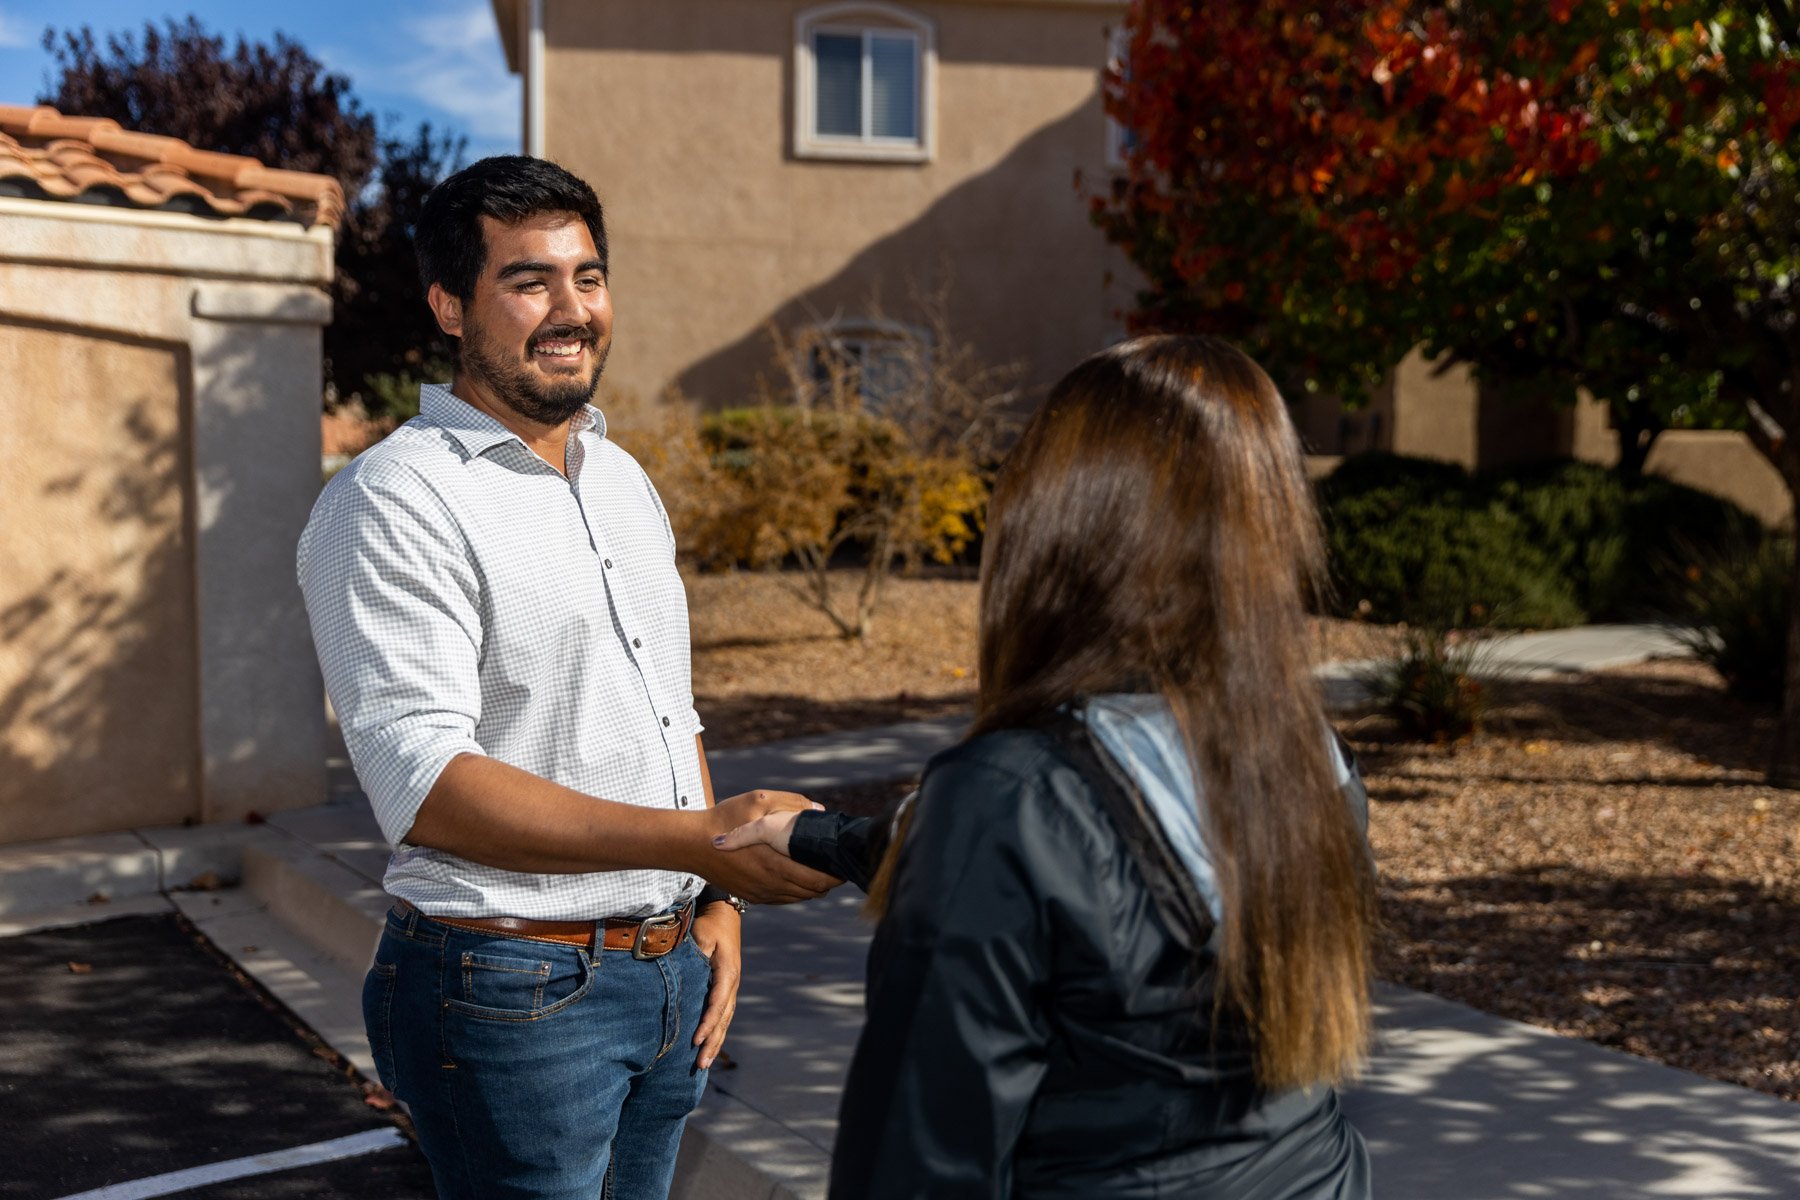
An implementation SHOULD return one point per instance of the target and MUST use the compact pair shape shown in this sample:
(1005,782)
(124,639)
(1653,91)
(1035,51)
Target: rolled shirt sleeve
(395,606)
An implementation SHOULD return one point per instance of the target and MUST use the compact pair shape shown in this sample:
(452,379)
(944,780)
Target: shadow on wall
(98,659)
(1025,272)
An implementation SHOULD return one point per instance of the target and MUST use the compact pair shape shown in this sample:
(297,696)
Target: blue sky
(439,60)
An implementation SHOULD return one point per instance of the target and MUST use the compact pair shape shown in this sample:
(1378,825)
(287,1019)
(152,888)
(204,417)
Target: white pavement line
(367,1142)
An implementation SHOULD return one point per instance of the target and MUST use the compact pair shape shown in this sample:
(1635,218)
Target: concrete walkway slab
(68,871)
(1460,1103)
(833,760)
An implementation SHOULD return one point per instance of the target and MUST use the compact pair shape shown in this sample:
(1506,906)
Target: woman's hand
(772,830)
(759,873)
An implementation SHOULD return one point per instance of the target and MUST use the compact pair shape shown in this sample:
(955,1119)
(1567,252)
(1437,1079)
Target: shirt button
(609,562)
(665,722)
(684,802)
(636,645)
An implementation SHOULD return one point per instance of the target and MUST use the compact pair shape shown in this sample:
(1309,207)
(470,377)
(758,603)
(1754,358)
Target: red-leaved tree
(1562,193)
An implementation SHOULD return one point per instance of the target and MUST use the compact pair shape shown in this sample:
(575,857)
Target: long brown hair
(1154,530)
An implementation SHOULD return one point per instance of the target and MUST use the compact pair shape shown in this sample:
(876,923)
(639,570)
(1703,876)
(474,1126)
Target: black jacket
(1034,1029)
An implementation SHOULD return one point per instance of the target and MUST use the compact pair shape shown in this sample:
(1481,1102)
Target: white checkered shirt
(466,598)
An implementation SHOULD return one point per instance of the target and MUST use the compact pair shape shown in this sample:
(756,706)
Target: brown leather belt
(647,937)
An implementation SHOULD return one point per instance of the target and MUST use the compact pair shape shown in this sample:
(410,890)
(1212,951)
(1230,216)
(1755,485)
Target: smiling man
(504,637)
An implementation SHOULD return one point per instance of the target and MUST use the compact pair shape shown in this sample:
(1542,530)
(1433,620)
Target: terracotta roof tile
(44,153)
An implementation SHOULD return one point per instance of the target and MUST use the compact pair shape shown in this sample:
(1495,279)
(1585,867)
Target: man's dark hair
(508,188)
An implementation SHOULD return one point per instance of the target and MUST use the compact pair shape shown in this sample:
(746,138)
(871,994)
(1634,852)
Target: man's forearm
(489,812)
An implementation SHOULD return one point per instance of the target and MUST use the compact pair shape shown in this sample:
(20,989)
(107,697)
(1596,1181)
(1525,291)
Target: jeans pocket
(502,987)
(378,1019)
(700,954)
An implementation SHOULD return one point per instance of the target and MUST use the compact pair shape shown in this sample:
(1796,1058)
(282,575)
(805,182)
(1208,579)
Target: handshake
(748,855)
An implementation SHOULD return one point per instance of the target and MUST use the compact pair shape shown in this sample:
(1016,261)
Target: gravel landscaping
(767,667)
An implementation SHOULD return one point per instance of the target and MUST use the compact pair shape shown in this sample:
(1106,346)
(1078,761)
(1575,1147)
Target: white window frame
(861,18)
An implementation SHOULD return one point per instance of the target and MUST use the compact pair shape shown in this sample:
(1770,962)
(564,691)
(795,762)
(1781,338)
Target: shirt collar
(475,430)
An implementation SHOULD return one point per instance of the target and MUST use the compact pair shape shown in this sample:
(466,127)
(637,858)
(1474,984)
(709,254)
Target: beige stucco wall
(98,696)
(1726,464)
(1435,414)
(162,455)
(1722,462)
(681,116)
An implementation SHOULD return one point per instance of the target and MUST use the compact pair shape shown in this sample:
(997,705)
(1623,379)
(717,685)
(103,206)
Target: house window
(888,364)
(864,83)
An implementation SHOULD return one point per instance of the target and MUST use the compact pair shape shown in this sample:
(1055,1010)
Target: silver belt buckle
(666,921)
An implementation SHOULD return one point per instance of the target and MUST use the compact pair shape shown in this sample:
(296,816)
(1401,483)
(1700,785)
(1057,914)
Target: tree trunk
(1784,767)
(1635,439)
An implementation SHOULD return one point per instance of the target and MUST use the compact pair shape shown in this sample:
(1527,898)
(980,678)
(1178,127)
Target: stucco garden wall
(162,451)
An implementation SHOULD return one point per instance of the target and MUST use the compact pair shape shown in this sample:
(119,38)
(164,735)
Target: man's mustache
(564,333)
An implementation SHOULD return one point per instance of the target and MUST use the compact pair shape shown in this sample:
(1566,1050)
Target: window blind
(893,86)
(837,91)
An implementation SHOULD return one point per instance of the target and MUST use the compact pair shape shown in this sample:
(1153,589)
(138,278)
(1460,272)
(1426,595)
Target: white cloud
(452,62)
(14,34)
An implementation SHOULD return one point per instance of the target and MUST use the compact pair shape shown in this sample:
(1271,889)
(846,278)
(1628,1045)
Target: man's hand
(718,931)
(757,873)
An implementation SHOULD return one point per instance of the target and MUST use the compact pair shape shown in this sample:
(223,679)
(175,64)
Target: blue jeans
(532,1069)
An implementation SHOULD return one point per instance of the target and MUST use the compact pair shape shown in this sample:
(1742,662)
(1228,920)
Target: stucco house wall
(682,115)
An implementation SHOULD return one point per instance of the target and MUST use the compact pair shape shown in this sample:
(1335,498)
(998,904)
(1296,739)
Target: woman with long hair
(1124,940)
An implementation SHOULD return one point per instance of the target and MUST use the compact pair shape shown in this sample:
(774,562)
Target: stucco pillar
(256,363)
(1436,414)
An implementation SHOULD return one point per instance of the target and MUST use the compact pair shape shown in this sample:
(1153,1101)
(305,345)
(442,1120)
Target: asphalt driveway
(135,1062)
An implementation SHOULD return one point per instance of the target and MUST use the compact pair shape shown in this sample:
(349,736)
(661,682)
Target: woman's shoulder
(1023,758)
(1008,778)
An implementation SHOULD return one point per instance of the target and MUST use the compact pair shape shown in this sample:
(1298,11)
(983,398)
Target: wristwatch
(711,894)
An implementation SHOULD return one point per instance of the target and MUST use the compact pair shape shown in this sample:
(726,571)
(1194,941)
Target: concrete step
(335,910)
(63,873)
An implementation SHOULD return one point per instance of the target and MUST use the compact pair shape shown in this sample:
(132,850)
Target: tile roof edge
(104,137)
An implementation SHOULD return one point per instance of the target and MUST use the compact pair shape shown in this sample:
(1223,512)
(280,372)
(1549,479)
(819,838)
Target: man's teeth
(559,349)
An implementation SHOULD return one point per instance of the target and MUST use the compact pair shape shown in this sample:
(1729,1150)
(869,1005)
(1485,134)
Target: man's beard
(513,383)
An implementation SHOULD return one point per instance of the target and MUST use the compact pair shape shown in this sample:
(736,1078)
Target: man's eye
(589,282)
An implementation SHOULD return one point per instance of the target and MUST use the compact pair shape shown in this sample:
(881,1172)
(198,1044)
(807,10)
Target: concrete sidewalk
(1457,1103)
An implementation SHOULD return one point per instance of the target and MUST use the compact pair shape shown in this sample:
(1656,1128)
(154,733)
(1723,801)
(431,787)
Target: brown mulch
(769,667)
(1601,861)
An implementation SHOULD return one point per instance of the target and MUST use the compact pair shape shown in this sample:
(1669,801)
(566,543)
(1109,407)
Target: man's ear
(447,309)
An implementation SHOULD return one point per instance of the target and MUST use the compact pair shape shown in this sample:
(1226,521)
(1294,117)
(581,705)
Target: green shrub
(1419,542)
(1547,545)
(1738,615)
(1430,689)
(1613,537)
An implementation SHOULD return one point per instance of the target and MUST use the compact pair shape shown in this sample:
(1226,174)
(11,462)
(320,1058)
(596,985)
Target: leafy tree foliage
(278,104)
(1561,192)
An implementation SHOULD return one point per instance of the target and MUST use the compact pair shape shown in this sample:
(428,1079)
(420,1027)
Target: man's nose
(566,307)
